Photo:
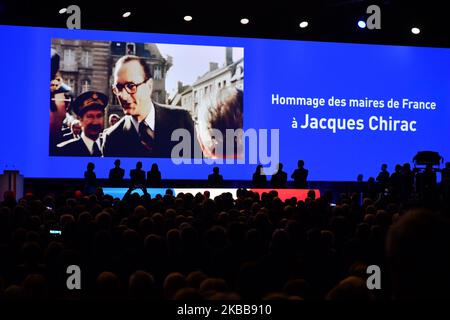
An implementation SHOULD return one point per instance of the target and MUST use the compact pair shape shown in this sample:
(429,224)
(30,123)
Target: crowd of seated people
(244,246)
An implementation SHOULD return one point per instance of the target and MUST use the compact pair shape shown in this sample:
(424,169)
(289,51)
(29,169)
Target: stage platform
(43,186)
(283,194)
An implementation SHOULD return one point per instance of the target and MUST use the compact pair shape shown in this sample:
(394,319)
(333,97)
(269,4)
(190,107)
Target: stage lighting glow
(415,30)
(361,24)
(303,24)
(245,21)
(126,14)
(187,18)
(62,10)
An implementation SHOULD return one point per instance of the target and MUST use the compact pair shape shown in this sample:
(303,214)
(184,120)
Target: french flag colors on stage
(283,194)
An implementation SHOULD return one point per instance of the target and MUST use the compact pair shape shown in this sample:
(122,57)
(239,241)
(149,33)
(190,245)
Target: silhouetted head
(216,170)
(173,282)
(297,287)
(350,289)
(141,285)
(384,167)
(280,166)
(90,166)
(195,278)
(35,286)
(139,165)
(108,285)
(117,163)
(418,254)
(188,294)
(300,163)
(210,285)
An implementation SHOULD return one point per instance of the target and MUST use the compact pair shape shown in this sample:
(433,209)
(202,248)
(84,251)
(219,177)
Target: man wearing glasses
(146,128)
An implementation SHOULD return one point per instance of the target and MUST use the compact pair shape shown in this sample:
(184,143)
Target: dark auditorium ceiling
(329,20)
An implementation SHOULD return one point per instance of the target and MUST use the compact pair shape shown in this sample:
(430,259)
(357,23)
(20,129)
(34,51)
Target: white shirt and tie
(89,143)
(146,129)
(149,120)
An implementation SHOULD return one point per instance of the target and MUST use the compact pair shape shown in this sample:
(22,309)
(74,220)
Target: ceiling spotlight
(245,21)
(62,10)
(415,30)
(303,24)
(126,14)
(361,24)
(187,18)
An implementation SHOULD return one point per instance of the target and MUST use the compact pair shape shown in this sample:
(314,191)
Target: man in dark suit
(146,128)
(116,174)
(90,108)
(300,175)
(137,180)
(137,176)
(279,179)
(215,179)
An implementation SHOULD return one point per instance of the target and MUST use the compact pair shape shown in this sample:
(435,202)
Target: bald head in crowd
(418,253)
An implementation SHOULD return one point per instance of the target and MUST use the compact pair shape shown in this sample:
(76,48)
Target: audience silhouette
(244,246)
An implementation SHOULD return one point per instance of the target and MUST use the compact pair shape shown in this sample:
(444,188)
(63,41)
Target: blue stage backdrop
(343,108)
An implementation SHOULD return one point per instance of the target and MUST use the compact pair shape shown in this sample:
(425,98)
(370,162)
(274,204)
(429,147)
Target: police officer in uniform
(90,109)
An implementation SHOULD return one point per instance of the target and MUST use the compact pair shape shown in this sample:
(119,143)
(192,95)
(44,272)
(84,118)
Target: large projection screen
(342,108)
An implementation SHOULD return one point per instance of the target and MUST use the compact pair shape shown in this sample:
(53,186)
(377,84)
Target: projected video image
(344,109)
(128,99)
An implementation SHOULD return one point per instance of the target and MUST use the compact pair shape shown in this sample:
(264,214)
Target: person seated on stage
(215,179)
(116,174)
(279,179)
(259,179)
(90,179)
(300,175)
(137,175)
(154,176)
